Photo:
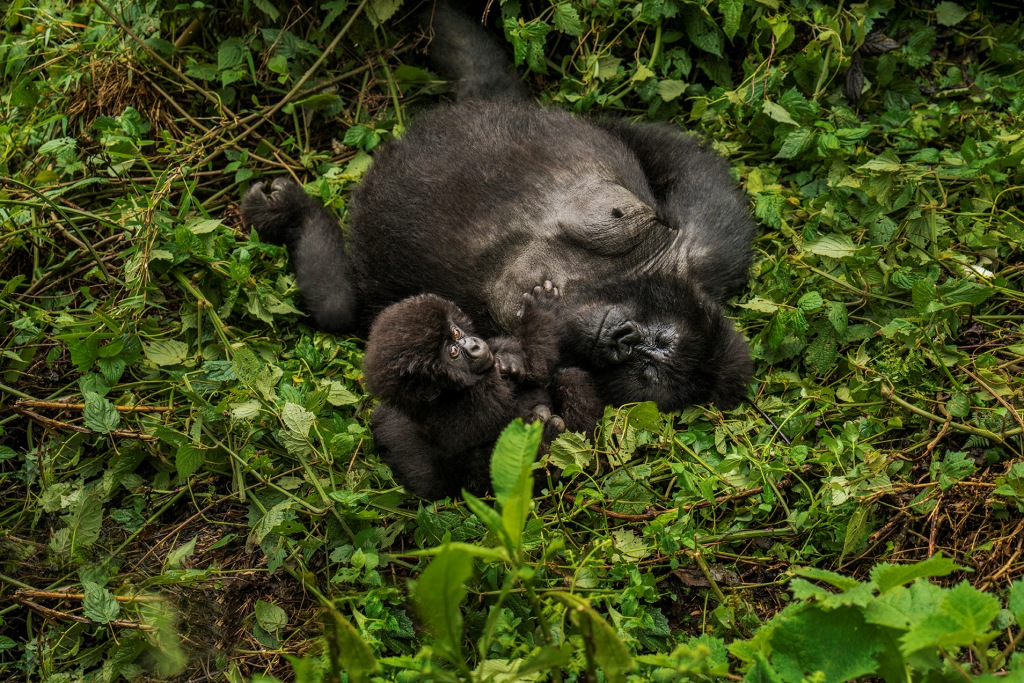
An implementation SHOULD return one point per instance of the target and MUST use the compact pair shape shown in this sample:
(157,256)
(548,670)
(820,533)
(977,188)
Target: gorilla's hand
(543,297)
(511,366)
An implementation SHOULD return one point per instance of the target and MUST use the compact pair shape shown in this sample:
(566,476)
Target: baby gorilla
(447,394)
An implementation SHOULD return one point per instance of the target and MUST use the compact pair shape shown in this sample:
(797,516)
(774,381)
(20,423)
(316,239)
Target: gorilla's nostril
(617,213)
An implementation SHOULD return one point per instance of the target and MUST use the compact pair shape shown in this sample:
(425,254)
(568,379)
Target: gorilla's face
(651,340)
(467,357)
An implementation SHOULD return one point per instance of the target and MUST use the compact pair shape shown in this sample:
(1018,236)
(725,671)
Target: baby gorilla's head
(421,347)
(649,339)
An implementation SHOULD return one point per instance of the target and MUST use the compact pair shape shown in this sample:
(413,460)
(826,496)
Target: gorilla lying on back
(640,227)
(446,394)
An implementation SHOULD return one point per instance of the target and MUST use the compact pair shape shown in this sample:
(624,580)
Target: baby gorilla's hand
(553,424)
(542,297)
(510,366)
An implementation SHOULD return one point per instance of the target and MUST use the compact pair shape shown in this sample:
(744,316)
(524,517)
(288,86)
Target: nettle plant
(897,626)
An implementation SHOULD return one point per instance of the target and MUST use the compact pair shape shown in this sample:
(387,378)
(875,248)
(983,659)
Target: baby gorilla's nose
(477,353)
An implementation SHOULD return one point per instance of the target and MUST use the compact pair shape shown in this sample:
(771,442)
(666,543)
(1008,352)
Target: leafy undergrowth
(188,487)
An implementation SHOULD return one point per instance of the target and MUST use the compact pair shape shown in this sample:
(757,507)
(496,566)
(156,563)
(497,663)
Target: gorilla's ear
(735,370)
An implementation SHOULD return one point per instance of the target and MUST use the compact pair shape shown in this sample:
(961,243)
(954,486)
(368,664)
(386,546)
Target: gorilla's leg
(578,400)
(463,51)
(418,465)
(288,216)
(696,195)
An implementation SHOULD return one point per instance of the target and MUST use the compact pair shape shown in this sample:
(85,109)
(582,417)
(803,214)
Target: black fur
(485,197)
(446,395)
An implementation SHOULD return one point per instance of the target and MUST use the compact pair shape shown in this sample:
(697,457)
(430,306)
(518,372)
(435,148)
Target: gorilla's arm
(287,215)
(696,195)
(539,332)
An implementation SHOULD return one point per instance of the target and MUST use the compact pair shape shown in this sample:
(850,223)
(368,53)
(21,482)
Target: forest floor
(188,486)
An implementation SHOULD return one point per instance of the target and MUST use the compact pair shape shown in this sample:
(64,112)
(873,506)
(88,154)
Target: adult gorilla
(640,227)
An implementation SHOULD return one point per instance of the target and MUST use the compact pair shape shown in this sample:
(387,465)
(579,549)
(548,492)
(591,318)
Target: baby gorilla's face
(468,355)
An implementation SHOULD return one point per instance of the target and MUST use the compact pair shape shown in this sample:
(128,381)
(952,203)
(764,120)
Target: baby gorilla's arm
(538,331)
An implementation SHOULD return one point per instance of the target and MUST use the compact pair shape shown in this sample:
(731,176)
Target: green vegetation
(187,482)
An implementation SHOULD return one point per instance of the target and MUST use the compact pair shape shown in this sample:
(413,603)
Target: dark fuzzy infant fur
(446,394)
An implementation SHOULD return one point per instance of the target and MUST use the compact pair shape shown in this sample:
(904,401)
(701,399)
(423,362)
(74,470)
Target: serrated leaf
(811,301)
(270,617)
(731,11)
(796,143)
(567,20)
(833,246)
(964,617)
(275,516)
(843,583)
(571,450)
(511,475)
(167,352)
(958,404)
(1015,602)
(669,89)
(188,459)
(761,305)
(838,317)
(439,595)
(99,604)
(950,13)
(99,414)
(380,11)
(778,113)
(924,296)
(297,419)
(85,520)
(338,395)
(888,576)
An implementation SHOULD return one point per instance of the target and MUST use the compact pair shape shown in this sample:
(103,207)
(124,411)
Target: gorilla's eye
(453,351)
(617,213)
(456,333)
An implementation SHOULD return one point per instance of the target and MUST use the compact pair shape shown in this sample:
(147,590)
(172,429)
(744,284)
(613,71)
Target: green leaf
(610,653)
(167,352)
(796,143)
(188,459)
(567,20)
(837,643)
(900,606)
(270,617)
(669,89)
(1016,601)
(489,517)
(778,113)
(380,11)
(297,419)
(964,618)
(731,11)
(839,581)
(439,594)
(99,415)
(176,556)
(511,475)
(833,246)
(85,520)
(888,576)
(950,13)
(348,648)
(99,604)
(811,301)
(275,516)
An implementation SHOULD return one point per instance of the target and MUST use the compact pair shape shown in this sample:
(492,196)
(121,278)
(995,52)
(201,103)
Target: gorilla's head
(650,338)
(421,347)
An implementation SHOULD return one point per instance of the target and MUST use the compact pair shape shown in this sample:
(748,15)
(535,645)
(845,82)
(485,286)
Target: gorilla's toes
(277,215)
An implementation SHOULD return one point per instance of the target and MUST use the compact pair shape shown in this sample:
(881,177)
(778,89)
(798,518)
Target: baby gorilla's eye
(456,333)
(453,351)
